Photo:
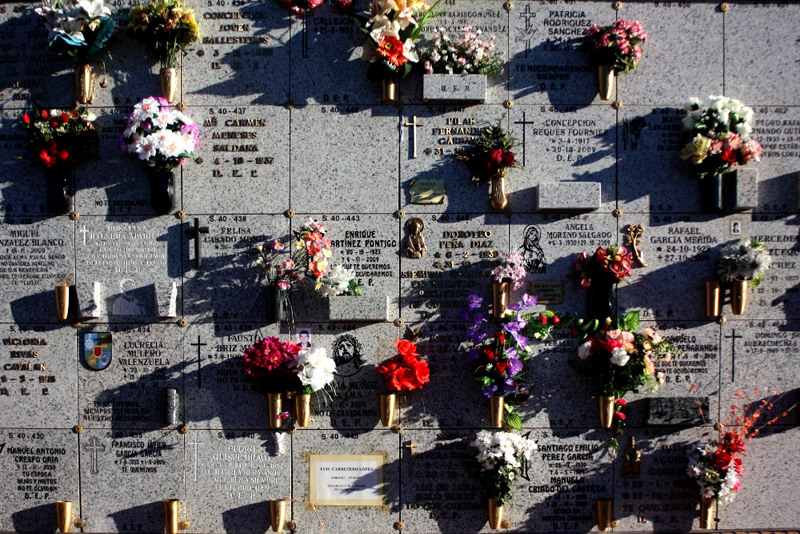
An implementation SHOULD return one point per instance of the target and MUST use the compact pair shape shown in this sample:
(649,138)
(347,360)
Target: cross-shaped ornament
(413,124)
(524,122)
(194,233)
(411,446)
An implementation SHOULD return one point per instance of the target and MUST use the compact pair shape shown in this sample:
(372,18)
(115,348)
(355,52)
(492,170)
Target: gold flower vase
(495,514)
(606,406)
(275,405)
(84,84)
(604,514)
(739,296)
(500,297)
(387,404)
(277,514)
(168,77)
(388,90)
(498,200)
(62,302)
(713,299)
(497,407)
(63,515)
(172,523)
(302,409)
(707,506)
(605,81)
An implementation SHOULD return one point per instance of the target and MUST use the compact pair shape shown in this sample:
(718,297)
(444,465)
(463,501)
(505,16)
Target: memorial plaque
(676,411)
(371,519)
(681,251)
(346,479)
(241,48)
(462,250)
(37,254)
(229,285)
(662,496)
(231,474)
(244,149)
(115,461)
(546,66)
(41,467)
(127,394)
(128,257)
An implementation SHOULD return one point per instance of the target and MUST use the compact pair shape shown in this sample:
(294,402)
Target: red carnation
(26,118)
(45,114)
(508,159)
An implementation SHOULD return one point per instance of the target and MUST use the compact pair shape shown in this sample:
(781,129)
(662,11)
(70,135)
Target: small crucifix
(733,337)
(411,446)
(199,345)
(413,124)
(93,447)
(524,122)
(195,233)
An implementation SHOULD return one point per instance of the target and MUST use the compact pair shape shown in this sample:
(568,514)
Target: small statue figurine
(633,460)
(415,243)
(633,239)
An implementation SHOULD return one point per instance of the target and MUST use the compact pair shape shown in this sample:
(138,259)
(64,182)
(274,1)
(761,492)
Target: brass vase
(63,515)
(386,408)
(171,507)
(604,513)
(606,406)
(62,302)
(739,296)
(500,297)
(169,83)
(498,199)
(275,408)
(605,81)
(84,84)
(707,506)
(713,299)
(497,407)
(495,514)
(277,514)
(388,90)
(302,408)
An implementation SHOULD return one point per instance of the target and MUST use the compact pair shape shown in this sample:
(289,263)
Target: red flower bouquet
(406,371)
(60,136)
(269,362)
(613,262)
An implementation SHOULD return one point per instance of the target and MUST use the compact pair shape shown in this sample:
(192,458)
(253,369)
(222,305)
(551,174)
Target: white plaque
(347,480)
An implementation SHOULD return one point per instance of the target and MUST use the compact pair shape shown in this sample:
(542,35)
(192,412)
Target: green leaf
(512,419)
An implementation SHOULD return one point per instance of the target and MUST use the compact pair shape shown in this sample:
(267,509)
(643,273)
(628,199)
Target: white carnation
(619,357)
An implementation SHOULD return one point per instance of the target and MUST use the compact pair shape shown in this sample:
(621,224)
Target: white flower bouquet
(500,455)
(746,260)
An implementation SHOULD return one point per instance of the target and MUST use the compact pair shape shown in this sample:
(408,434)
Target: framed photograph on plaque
(347,479)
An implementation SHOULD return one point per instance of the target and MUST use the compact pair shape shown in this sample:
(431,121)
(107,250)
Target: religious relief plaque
(346,480)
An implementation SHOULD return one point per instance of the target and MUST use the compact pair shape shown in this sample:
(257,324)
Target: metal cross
(84,233)
(199,357)
(410,446)
(196,445)
(194,233)
(413,124)
(524,122)
(93,447)
(733,337)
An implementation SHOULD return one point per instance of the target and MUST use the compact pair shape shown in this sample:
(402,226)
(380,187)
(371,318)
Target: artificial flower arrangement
(741,265)
(498,362)
(280,367)
(307,259)
(163,138)
(510,271)
(393,26)
(167,27)
(613,49)
(404,372)
(57,140)
(300,7)
(78,29)
(598,272)
(720,133)
(471,54)
(717,465)
(618,360)
(501,456)
(488,161)
(316,372)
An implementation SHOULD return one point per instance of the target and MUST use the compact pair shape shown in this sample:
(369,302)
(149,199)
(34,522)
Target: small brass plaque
(547,292)
(429,191)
